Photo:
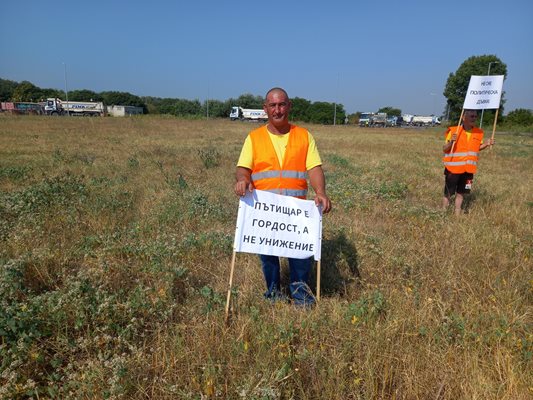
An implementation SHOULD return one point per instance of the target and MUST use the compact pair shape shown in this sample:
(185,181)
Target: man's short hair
(276,89)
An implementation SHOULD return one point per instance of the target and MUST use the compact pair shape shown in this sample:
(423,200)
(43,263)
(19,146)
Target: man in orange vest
(279,157)
(461,164)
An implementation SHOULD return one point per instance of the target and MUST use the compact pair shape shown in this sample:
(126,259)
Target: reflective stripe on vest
(289,192)
(290,178)
(275,174)
(456,163)
(468,153)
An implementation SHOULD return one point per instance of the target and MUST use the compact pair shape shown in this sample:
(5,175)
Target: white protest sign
(276,225)
(484,92)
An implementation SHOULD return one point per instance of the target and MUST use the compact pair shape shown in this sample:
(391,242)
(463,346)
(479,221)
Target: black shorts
(457,183)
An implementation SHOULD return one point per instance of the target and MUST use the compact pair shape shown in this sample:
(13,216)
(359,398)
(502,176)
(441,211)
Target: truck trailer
(21,108)
(420,120)
(379,120)
(77,108)
(423,120)
(248,114)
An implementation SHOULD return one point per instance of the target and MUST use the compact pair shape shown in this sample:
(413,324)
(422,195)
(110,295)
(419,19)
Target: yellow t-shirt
(452,131)
(279,142)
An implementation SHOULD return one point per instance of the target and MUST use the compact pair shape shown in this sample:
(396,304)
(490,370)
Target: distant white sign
(484,92)
(276,225)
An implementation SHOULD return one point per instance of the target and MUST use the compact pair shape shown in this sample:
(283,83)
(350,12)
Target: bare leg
(445,202)
(458,203)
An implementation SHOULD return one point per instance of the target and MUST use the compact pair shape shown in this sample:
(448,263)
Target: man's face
(470,117)
(277,107)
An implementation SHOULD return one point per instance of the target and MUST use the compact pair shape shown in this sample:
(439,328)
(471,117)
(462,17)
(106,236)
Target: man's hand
(448,145)
(242,186)
(488,143)
(324,201)
(244,181)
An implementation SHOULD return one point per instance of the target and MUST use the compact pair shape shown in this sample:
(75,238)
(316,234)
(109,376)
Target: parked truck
(55,106)
(379,120)
(423,120)
(407,119)
(364,119)
(248,114)
(20,107)
(420,120)
(370,119)
(393,121)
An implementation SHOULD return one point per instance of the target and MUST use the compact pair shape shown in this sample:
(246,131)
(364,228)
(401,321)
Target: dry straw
(116,245)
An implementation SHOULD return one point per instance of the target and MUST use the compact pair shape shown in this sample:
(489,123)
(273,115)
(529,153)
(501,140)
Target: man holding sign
(278,158)
(465,141)
(461,164)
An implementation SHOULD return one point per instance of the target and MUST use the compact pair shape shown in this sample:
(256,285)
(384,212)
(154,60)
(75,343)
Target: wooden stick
(318,280)
(228,299)
(457,131)
(494,126)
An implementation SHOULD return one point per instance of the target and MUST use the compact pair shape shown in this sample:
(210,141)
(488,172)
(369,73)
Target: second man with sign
(279,157)
(463,144)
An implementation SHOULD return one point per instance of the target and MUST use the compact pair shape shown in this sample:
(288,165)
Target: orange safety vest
(465,151)
(290,178)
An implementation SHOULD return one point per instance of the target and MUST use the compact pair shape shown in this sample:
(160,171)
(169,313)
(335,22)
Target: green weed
(452,328)
(338,161)
(16,174)
(213,299)
(367,309)
(210,157)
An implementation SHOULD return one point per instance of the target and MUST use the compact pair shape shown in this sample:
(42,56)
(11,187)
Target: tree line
(302,110)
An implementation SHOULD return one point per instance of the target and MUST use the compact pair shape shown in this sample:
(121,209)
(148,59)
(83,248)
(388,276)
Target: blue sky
(365,55)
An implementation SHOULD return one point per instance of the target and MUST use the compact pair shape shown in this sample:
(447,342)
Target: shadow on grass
(468,202)
(479,197)
(339,265)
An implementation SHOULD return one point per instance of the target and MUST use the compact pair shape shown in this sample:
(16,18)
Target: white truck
(369,119)
(364,119)
(407,119)
(77,108)
(248,114)
(420,120)
(425,120)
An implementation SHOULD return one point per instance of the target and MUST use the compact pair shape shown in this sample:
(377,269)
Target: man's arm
(318,182)
(448,146)
(489,143)
(244,181)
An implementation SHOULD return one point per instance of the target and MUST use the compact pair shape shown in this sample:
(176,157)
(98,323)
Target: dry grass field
(116,241)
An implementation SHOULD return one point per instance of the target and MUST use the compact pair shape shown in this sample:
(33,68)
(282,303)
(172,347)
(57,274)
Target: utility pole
(66,89)
(335,104)
(207,102)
